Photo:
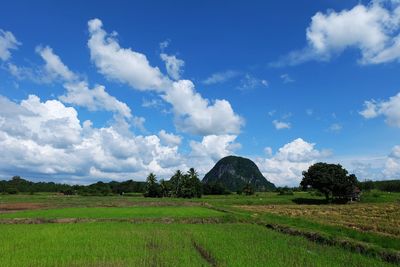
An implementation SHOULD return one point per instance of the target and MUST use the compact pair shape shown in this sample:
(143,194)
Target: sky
(115,90)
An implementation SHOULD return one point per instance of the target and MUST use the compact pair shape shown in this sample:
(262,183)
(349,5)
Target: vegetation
(124,244)
(234,173)
(331,180)
(223,230)
(180,185)
(388,186)
(20,185)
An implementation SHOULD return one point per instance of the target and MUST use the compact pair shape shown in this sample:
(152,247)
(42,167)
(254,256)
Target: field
(260,230)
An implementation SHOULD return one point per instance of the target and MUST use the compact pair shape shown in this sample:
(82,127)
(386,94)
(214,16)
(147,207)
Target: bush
(12,190)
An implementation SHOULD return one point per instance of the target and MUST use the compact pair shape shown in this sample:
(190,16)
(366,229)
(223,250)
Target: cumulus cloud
(77,91)
(392,165)
(169,139)
(46,138)
(124,65)
(94,99)
(196,115)
(372,29)
(54,66)
(173,65)
(8,42)
(221,77)
(286,165)
(390,109)
(193,113)
(279,125)
(210,149)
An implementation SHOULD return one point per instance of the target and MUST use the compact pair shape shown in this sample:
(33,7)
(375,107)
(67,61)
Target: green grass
(116,243)
(124,244)
(123,212)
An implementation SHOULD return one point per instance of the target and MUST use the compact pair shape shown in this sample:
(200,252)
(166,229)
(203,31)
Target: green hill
(235,172)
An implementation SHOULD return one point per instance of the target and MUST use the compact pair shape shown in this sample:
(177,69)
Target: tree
(165,188)
(248,189)
(194,183)
(152,187)
(176,183)
(332,180)
(186,185)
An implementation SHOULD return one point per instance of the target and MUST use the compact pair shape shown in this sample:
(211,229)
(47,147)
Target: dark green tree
(248,189)
(152,187)
(176,184)
(332,180)
(165,188)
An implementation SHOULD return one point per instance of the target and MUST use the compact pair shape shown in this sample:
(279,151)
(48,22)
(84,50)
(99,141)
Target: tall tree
(152,187)
(330,179)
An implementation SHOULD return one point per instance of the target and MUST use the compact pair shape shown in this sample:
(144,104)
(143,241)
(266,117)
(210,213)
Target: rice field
(381,218)
(124,244)
(56,230)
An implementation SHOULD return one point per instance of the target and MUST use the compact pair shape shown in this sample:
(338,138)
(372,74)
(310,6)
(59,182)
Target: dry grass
(9,207)
(382,218)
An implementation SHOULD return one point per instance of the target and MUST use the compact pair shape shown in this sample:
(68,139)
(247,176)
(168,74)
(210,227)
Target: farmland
(56,230)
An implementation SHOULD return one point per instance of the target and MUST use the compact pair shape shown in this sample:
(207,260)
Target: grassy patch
(123,212)
(123,244)
(381,218)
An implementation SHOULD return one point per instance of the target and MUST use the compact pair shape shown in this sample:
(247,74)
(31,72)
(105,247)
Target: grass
(381,218)
(124,244)
(232,236)
(117,213)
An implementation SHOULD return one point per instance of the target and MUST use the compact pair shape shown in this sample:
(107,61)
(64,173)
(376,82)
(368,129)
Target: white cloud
(286,166)
(250,82)
(193,113)
(164,44)
(268,151)
(47,139)
(286,78)
(335,127)
(279,125)
(390,109)
(372,29)
(169,139)
(173,65)
(124,65)
(78,92)
(212,148)
(392,165)
(196,115)
(7,42)
(221,77)
(54,66)
(94,99)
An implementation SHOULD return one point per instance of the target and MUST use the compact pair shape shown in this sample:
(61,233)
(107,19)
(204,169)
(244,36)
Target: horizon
(105,93)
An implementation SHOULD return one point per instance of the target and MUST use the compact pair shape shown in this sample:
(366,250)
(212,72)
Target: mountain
(235,172)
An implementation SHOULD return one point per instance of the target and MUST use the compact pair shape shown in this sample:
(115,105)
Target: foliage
(153,189)
(388,186)
(234,173)
(215,188)
(186,185)
(285,191)
(330,179)
(248,190)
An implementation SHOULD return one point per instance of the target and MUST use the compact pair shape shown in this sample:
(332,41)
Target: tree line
(18,184)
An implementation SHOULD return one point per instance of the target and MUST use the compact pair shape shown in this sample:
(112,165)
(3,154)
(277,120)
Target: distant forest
(18,184)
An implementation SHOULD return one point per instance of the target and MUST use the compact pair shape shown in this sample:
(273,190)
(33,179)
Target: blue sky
(118,90)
